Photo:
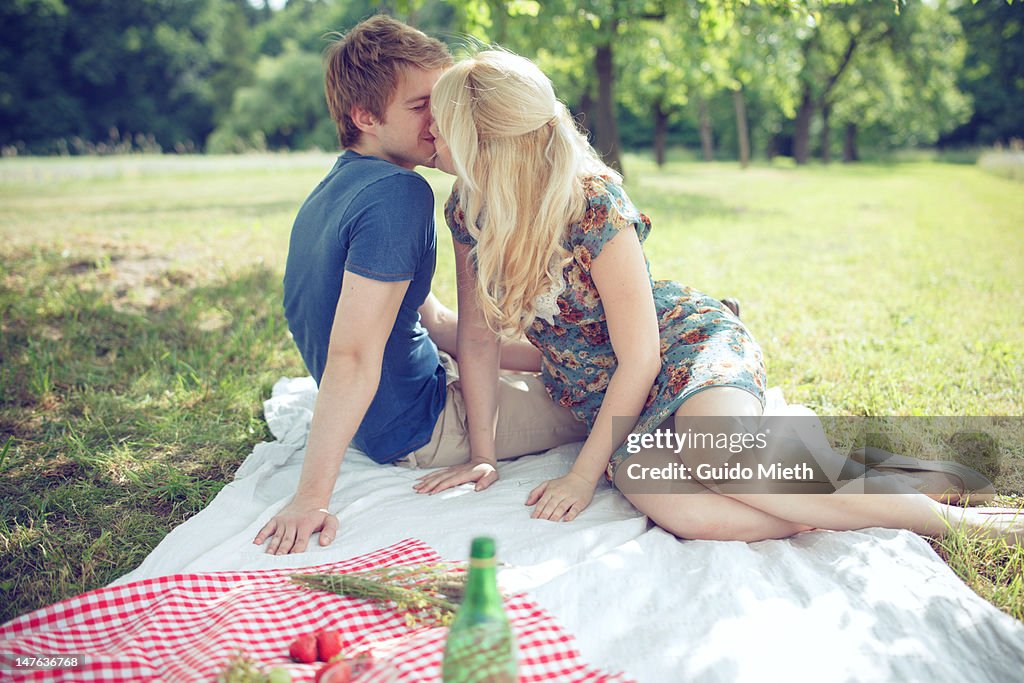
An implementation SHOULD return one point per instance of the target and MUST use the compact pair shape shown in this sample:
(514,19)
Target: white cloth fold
(873,605)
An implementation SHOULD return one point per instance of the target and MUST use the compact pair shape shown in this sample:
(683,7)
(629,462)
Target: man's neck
(368,149)
(362,148)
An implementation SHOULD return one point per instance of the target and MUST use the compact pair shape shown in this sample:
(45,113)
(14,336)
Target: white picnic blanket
(874,605)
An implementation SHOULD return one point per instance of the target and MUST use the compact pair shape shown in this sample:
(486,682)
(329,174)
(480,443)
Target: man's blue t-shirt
(375,219)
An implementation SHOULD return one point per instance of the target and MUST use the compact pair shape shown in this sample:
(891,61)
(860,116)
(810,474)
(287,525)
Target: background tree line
(734,78)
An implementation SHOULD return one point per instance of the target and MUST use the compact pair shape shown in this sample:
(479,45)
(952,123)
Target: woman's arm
(620,275)
(478,351)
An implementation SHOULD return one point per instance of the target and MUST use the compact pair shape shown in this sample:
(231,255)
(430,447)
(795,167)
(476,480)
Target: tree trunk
(606,129)
(707,143)
(499,21)
(802,136)
(826,141)
(586,112)
(850,144)
(660,133)
(742,127)
(802,131)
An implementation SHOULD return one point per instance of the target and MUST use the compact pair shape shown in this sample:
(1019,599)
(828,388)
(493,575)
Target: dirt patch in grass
(135,278)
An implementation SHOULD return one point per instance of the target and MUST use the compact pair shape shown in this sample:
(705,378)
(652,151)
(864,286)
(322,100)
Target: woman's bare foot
(940,487)
(991,522)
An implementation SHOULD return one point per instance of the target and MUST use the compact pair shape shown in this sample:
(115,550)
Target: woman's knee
(689,516)
(721,401)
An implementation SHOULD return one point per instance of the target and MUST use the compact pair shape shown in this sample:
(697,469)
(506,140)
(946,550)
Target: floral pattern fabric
(702,343)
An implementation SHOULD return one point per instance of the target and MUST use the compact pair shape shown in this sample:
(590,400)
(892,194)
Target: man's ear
(364,120)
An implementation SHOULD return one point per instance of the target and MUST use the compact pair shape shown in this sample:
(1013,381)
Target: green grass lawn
(141,326)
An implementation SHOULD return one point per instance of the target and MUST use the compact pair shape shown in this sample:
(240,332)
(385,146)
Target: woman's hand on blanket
(289,530)
(562,498)
(482,472)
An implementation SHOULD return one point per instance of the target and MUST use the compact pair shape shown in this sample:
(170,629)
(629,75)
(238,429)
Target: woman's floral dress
(702,343)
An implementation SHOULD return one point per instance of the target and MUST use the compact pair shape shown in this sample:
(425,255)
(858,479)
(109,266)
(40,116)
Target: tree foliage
(284,108)
(904,92)
(728,75)
(993,73)
(99,69)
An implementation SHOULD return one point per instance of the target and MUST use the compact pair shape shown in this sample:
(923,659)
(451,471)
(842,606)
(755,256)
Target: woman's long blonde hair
(521,162)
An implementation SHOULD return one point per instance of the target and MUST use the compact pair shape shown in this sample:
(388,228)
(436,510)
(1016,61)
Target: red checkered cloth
(186,627)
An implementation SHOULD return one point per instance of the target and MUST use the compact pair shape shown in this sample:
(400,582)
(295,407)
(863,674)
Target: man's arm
(441,323)
(442,326)
(366,313)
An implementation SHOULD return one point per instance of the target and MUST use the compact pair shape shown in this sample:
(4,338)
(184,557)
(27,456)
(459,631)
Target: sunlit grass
(141,325)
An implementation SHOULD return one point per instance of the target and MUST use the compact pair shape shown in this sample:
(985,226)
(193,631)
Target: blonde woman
(548,244)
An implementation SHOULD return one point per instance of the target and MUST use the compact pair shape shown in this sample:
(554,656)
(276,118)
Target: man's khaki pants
(528,422)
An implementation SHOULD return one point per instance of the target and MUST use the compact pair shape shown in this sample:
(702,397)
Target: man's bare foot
(943,480)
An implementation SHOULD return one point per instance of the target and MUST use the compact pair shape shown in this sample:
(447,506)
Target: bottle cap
(482,547)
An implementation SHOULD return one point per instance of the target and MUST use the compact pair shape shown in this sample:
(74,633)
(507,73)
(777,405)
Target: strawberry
(328,644)
(334,672)
(303,649)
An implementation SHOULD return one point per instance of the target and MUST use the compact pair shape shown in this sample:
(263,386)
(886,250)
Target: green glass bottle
(480,647)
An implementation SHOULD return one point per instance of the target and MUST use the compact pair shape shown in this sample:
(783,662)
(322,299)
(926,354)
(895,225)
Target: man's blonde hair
(521,162)
(362,67)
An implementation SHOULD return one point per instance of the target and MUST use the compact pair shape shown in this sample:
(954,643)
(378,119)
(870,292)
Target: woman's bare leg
(693,511)
(892,503)
(702,514)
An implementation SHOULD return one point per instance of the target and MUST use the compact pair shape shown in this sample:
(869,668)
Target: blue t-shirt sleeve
(390,229)
(609,210)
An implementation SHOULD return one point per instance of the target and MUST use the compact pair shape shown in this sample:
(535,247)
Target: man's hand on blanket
(289,530)
(482,472)
(565,497)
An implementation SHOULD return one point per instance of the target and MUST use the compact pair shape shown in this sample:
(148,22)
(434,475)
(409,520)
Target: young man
(357,296)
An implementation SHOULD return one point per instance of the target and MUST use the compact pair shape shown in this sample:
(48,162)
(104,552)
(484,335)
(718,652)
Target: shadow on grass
(120,421)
